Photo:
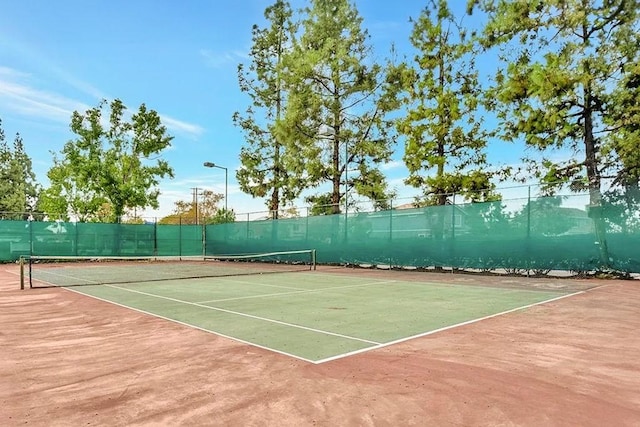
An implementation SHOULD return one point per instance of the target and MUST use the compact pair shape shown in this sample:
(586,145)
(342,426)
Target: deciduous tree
(119,164)
(203,210)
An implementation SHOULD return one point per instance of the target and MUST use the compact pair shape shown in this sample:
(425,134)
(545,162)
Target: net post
(313,259)
(21,273)
(30,273)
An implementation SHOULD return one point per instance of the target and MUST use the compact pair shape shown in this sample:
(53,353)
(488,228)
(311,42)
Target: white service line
(251,316)
(302,291)
(230,279)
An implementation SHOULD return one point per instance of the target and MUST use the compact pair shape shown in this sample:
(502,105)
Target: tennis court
(70,359)
(313,315)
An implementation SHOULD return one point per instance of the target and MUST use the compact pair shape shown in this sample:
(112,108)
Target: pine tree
(439,94)
(334,118)
(564,60)
(18,187)
(268,166)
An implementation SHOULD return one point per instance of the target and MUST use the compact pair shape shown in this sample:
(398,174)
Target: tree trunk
(593,176)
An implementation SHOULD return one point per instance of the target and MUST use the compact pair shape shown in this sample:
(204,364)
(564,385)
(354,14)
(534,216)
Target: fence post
(453,232)
(528,242)
(306,231)
(155,237)
(30,238)
(390,233)
(204,239)
(247,242)
(21,272)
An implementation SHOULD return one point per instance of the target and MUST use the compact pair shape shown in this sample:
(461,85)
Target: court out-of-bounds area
(331,346)
(313,316)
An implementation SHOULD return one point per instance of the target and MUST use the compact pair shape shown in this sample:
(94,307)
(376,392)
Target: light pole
(213,165)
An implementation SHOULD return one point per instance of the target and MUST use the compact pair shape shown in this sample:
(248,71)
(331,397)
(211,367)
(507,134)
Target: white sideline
(251,316)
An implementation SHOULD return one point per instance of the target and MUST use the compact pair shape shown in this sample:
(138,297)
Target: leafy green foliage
(18,189)
(444,148)
(567,60)
(222,216)
(625,124)
(268,162)
(545,216)
(107,170)
(202,211)
(321,204)
(334,114)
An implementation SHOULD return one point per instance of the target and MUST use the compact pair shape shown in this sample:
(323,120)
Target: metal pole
(453,232)
(21,272)
(346,178)
(346,188)
(226,181)
(528,245)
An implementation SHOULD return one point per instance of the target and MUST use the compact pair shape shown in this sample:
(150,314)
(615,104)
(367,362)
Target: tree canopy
(564,64)
(116,166)
(334,117)
(270,168)
(440,96)
(18,187)
(202,209)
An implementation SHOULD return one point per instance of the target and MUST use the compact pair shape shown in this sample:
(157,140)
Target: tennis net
(51,271)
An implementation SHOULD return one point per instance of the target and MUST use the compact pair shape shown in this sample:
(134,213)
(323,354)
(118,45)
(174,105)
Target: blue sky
(177,57)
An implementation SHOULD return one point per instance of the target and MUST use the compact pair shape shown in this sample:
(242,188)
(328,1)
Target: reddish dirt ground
(67,359)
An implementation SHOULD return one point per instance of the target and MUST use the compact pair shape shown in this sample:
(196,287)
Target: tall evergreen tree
(268,166)
(564,59)
(18,187)
(624,123)
(440,96)
(335,112)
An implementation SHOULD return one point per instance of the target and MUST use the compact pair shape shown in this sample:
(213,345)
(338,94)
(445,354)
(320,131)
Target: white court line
(457,325)
(284,353)
(66,276)
(337,357)
(301,291)
(230,279)
(251,316)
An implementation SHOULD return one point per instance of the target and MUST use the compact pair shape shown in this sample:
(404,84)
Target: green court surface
(316,316)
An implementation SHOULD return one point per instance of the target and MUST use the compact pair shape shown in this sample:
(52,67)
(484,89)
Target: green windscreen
(547,233)
(539,234)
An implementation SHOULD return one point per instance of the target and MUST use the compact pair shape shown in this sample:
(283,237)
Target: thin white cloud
(181,126)
(219,60)
(25,100)
(52,69)
(7,72)
(80,85)
(395,164)
(19,96)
